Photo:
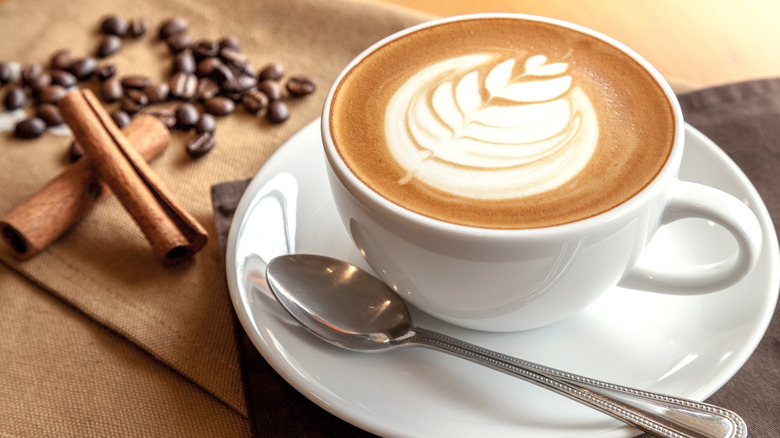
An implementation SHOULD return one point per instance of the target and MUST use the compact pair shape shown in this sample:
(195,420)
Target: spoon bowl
(363,316)
(350,308)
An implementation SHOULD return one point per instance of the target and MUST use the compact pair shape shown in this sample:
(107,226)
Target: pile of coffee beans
(208,79)
(33,85)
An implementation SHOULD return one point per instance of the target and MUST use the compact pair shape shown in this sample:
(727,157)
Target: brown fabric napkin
(97,338)
(743,119)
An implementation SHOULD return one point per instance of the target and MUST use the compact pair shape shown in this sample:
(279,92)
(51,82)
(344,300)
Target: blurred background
(702,42)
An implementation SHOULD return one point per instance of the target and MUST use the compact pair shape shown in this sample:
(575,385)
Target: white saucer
(685,346)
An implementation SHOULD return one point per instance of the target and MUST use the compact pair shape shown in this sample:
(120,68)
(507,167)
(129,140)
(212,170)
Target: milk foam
(478,126)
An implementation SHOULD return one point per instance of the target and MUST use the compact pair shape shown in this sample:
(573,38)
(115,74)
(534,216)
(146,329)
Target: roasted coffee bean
(121,118)
(187,116)
(75,151)
(243,70)
(136,81)
(109,45)
(111,90)
(30,72)
(278,112)
(157,93)
(35,77)
(205,49)
(230,42)
(51,94)
(300,86)
(106,71)
(179,42)
(39,82)
(271,88)
(233,56)
(114,25)
(63,78)
(200,144)
(255,101)
(184,61)
(62,59)
(129,106)
(137,96)
(15,98)
(273,71)
(183,85)
(165,116)
(239,84)
(83,68)
(235,97)
(6,73)
(30,128)
(206,123)
(207,89)
(137,27)
(206,66)
(50,114)
(219,106)
(172,26)
(133,101)
(222,73)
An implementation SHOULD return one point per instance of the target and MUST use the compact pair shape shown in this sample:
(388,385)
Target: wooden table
(704,42)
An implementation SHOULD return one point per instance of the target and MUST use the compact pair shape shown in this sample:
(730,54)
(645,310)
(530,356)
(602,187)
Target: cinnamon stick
(66,199)
(173,233)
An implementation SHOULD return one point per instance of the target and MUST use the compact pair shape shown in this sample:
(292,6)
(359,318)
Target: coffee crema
(502,123)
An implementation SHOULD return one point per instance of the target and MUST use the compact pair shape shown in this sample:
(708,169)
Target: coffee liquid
(502,123)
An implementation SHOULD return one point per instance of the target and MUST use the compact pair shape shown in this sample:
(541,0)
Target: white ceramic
(683,345)
(507,280)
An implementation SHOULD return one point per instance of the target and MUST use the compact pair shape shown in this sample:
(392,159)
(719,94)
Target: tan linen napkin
(105,285)
(743,119)
(63,375)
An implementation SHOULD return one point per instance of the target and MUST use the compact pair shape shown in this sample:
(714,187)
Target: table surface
(703,42)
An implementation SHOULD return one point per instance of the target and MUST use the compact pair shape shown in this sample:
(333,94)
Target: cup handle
(691,200)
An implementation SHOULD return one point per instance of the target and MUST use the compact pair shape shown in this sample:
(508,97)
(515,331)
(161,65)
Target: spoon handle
(657,414)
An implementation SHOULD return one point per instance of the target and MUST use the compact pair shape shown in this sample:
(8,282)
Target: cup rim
(352,183)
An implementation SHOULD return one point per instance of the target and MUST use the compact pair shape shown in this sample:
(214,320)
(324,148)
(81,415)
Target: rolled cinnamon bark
(41,219)
(173,233)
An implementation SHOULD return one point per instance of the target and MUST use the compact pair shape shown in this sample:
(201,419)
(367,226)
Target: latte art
(501,123)
(476,127)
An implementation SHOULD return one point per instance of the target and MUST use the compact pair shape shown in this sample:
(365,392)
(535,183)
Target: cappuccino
(502,123)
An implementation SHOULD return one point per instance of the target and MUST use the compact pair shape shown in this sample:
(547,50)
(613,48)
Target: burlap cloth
(97,338)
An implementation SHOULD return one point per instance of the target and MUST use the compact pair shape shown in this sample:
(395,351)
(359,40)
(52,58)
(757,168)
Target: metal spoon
(350,308)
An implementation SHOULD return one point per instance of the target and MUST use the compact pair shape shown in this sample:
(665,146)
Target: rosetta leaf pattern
(537,66)
(539,81)
(485,126)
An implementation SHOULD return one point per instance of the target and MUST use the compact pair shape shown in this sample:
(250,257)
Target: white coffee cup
(516,279)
